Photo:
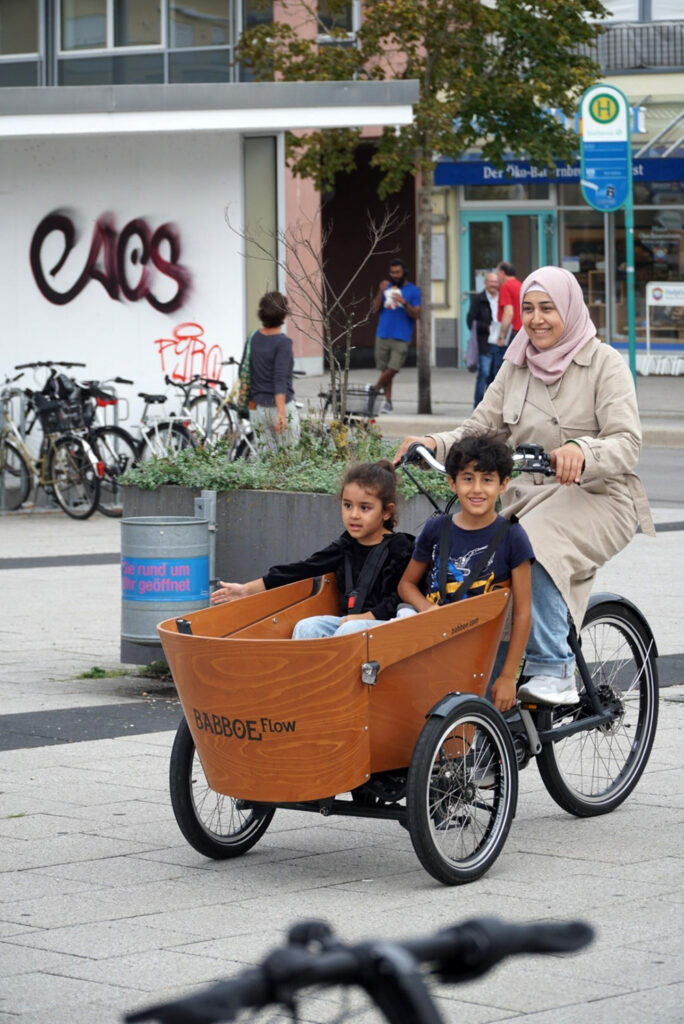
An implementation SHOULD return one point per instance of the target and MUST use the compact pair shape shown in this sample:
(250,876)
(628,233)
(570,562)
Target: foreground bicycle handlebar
(388,971)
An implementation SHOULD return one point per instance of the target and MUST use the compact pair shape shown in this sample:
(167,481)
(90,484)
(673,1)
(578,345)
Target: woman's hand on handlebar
(429,442)
(568,462)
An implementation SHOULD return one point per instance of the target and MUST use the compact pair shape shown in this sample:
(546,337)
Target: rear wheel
(592,772)
(165,437)
(117,451)
(215,825)
(74,479)
(15,477)
(219,424)
(462,792)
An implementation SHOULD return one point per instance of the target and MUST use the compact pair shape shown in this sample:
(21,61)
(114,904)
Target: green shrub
(315,464)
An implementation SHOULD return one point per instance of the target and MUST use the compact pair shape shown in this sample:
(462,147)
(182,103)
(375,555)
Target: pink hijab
(566,294)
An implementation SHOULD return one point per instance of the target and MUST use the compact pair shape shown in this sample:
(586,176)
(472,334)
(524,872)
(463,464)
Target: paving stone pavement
(104,907)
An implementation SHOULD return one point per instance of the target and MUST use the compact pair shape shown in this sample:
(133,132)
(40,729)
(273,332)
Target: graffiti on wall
(121,261)
(187,354)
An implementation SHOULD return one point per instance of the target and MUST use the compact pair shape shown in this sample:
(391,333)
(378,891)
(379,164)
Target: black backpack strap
(355,596)
(462,590)
(444,538)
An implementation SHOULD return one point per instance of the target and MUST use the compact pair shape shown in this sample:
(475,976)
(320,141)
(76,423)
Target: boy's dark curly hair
(489,456)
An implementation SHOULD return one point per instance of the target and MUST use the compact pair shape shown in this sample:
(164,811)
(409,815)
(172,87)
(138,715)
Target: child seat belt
(444,537)
(355,596)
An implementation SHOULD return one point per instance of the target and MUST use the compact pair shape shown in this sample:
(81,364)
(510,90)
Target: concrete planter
(257,529)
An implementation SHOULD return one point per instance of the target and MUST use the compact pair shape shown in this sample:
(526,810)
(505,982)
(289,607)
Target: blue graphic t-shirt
(465,548)
(396,323)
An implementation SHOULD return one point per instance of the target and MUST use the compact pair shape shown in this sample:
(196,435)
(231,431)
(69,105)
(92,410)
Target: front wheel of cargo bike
(215,825)
(462,792)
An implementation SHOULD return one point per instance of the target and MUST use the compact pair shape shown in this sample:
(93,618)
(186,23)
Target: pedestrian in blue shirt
(399,303)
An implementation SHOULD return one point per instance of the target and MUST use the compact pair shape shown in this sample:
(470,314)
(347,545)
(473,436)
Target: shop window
(199,23)
(18,27)
(658,193)
(502,193)
(570,195)
(583,253)
(200,66)
(658,256)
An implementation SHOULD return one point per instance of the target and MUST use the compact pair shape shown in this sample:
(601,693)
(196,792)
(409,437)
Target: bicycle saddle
(152,399)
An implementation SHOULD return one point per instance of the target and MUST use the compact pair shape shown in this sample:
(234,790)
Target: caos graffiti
(122,261)
(187,354)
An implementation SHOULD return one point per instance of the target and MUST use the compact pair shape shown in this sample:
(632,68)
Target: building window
(101,24)
(338,16)
(18,27)
(643,10)
(199,23)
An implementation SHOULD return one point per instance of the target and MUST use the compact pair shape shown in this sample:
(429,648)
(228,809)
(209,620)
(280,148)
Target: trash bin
(164,572)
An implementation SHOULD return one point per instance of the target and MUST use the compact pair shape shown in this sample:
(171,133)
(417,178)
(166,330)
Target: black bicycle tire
(175,429)
(113,511)
(451,807)
(207,842)
(553,775)
(90,475)
(24,473)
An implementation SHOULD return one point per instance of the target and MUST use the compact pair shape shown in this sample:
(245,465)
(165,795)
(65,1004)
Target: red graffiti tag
(186,354)
(111,259)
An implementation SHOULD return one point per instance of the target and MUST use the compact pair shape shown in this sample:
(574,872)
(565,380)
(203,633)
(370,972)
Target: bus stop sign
(605,148)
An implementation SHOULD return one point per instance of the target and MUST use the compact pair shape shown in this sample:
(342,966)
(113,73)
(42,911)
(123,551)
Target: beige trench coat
(574,529)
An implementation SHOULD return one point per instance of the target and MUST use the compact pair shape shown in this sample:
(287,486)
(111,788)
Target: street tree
(326,313)
(498,75)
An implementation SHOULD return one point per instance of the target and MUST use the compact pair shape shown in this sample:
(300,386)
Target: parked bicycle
(214,416)
(66,465)
(396,977)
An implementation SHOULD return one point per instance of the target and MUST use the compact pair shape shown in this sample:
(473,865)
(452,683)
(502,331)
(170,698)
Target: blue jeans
(484,365)
(496,354)
(547,652)
(318,626)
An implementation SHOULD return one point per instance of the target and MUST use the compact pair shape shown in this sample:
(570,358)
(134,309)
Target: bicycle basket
(57,417)
(360,400)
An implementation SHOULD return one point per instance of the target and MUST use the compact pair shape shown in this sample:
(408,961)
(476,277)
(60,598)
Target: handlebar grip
(122,380)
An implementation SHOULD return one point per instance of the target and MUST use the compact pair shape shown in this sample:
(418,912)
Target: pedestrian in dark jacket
(483,310)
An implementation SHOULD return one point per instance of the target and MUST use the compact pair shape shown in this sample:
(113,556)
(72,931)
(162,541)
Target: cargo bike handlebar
(391,973)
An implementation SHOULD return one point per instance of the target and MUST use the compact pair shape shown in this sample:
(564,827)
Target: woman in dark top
(273,412)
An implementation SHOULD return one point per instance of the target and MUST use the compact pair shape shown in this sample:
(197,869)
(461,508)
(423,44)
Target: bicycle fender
(445,705)
(609,598)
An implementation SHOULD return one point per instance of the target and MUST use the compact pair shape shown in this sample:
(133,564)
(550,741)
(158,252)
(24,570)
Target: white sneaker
(386,406)
(549,690)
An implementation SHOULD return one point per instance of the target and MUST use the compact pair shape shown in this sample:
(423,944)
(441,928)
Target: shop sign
(605,148)
(516,172)
(665,293)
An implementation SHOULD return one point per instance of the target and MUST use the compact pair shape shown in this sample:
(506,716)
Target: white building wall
(183,180)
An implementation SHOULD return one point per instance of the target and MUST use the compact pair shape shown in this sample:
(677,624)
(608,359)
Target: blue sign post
(606,173)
